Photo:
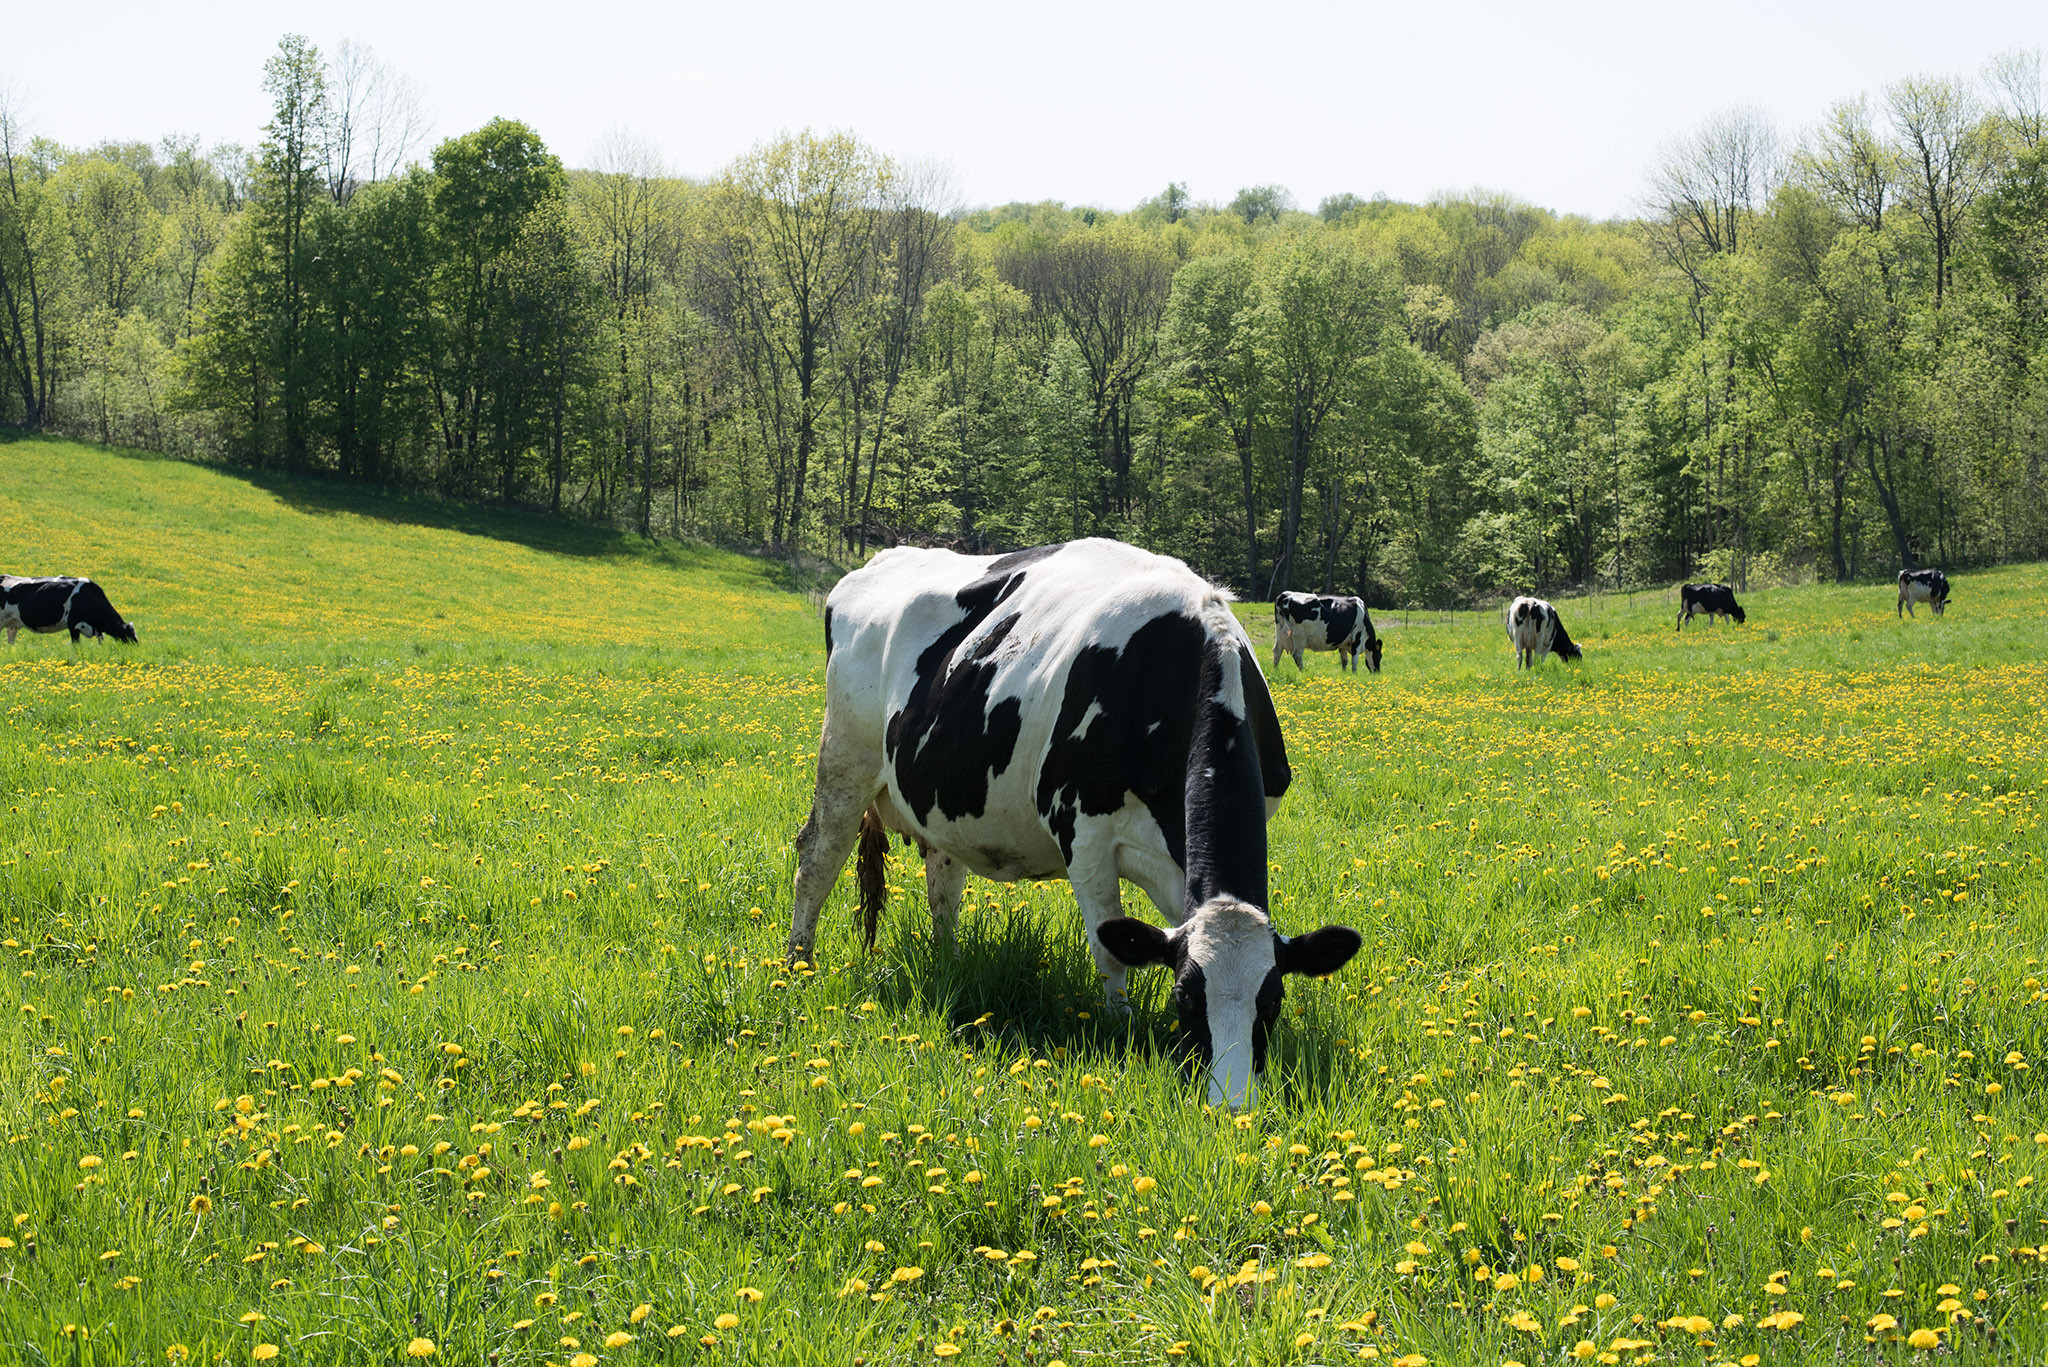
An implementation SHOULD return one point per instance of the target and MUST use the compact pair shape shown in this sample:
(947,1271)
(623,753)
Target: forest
(1819,354)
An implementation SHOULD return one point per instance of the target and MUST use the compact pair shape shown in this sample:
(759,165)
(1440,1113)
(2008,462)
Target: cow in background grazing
(57,604)
(1086,711)
(1713,600)
(1309,621)
(1922,586)
(1535,630)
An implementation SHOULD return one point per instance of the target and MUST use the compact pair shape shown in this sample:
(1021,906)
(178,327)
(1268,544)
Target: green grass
(1689,972)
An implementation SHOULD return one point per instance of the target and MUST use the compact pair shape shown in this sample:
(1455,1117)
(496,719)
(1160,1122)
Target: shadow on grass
(326,495)
(1022,984)
(331,496)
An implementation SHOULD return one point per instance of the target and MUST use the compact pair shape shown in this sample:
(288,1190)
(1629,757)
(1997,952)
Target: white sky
(1086,101)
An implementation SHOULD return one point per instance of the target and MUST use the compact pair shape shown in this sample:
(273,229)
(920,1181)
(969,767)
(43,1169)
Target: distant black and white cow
(74,605)
(1711,600)
(1086,711)
(1309,621)
(1922,586)
(1534,629)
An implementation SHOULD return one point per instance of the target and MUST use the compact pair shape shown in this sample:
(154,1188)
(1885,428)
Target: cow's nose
(1232,1092)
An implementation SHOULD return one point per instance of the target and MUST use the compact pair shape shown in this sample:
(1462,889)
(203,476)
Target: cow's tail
(871,873)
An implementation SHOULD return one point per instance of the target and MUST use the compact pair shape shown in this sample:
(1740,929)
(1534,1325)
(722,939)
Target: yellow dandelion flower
(728,1320)
(263,1352)
(1924,1338)
(618,1338)
(749,1295)
(420,1348)
(583,1360)
(640,1312)
(946,1350)
(1882,1322)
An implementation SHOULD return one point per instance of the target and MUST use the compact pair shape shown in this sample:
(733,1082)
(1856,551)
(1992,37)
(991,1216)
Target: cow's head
(1735,611)
(1372,653)
(1227,963)
(124,632)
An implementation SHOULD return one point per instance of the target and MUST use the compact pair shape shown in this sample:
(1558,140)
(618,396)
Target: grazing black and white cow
(1310,621)
(1922,586)
(1711,600)
(74,605)
(1534,629)
(1086,711)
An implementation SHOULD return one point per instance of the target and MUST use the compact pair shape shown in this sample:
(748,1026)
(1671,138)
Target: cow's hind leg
(847,783)
(944,878)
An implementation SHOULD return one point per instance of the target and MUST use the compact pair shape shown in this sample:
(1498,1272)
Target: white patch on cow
(1087,720)
(1223,629)
(1232,943)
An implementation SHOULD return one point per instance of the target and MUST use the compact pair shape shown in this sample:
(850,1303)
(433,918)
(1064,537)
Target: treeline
(1824,358)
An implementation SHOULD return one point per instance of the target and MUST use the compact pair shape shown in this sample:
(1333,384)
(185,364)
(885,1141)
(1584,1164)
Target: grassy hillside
(399,928)
(280,568)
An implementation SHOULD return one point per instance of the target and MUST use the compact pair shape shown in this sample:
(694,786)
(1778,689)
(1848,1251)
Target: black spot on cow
(948,742)
(1137,743)
(1228,784)
(828,633)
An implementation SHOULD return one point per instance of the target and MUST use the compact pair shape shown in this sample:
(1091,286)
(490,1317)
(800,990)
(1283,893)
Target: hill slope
(206,560)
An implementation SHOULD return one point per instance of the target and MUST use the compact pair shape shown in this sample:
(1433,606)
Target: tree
(633,219)
(1211,341)
(286,189)
(486,183)
(1322,308)
(793,223)
(1336,208)
(2015,79)
(913,250)
(375,118)
(1104,289)
(1262,203)
(372,267)
(29,229)
(1946,155)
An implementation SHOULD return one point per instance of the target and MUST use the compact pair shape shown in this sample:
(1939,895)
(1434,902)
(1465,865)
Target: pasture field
(396,973)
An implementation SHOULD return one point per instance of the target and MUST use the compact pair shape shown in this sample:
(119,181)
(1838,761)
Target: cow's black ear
(1318,953)
(1134,943)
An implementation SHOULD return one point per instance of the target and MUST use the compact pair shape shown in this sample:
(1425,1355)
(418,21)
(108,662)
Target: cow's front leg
(12,630)
(944,878)
(1099,893)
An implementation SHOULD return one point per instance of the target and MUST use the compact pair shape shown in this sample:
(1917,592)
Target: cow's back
(1011,693)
